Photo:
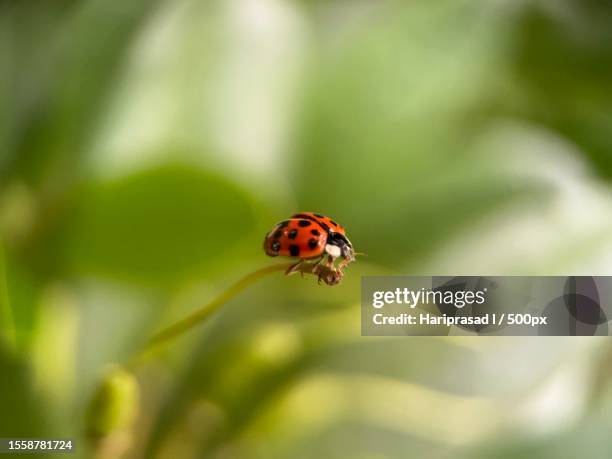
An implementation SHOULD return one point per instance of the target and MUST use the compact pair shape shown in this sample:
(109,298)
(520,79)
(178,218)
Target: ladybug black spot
(312,243)
(283,224)
(292,234)
(306,217)
(324,226)
(315,232)
(333,223)
(294,250)
(276,245)
(304,223)
(278,234)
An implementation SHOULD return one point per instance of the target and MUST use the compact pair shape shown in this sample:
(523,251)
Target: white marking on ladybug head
(333,250)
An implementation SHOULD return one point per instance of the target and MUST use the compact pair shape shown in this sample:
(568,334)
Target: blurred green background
(146,147)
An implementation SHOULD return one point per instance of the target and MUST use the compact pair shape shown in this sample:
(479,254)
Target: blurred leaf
(563,64)
(20,291)
(587,439)
(158,226)
(386,137)
(64,62)
(23,412)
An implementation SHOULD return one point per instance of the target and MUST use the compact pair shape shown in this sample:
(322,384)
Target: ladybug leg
(293,268)
(344,263)
(314,267)
(320,270)
(330,263)
(318,261)
(330,276)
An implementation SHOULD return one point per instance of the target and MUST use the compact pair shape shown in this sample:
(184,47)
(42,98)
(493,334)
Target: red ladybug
(310,236)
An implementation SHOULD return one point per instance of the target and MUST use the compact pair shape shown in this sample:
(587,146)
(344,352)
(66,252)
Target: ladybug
(310,236)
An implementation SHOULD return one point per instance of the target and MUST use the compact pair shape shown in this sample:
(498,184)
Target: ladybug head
(342,242)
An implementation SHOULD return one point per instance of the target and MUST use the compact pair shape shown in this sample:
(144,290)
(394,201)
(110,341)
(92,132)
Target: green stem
(200,315)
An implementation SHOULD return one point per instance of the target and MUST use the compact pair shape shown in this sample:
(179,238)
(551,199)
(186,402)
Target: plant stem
(329,275)
(199,315)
